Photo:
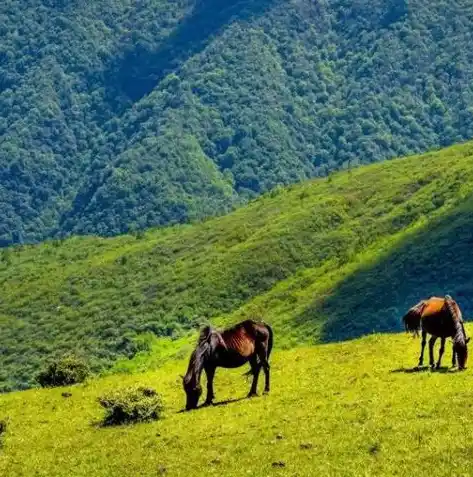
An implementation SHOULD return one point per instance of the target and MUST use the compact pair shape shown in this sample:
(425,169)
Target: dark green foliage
(115,116)
(131,405)
(64,372)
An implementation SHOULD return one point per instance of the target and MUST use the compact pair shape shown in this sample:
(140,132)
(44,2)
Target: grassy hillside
(328,259)
(117,115)
(346,409)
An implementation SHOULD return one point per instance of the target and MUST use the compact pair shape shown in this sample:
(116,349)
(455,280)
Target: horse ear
(204,334)
(217,341)
(467,340)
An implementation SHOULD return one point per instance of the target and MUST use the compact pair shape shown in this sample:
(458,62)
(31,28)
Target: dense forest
(329,259)
(119,115)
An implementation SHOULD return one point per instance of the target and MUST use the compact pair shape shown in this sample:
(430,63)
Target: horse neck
(196,365)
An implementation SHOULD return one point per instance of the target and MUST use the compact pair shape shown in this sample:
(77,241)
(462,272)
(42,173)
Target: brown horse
(440,318)
(248,341)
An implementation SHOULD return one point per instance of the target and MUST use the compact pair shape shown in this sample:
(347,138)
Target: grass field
(345,409)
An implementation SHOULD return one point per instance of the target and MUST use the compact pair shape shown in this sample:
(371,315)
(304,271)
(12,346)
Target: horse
(248,341)
(440,318)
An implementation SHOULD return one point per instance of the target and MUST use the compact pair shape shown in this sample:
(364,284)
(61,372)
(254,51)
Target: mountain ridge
(231,101)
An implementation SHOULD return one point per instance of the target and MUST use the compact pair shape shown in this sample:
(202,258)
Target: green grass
(343,409)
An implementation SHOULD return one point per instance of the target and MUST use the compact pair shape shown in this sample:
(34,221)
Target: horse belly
(232,359)
(437,325)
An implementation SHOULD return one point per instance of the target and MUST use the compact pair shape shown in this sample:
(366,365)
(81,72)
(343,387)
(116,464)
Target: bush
(130,405)
(64,372)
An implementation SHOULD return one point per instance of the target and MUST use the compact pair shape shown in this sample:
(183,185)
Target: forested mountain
(118,115)
(325,260)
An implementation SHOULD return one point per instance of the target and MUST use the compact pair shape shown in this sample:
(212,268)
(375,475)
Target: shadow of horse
(228,401)
(220,403)
(423,369)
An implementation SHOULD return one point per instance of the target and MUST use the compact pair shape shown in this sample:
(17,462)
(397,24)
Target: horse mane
(198,355)
(456,314)
(453,308)
(204,335)
(205,345)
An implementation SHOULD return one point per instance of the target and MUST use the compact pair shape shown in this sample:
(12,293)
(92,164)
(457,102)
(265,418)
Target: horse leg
(432,341)
(422,348)
(210,372)
(262,355)
(255,369)
(442,349)
(454,357)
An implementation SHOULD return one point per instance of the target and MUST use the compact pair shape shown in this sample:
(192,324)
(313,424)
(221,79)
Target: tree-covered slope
(119,115)
(328,259)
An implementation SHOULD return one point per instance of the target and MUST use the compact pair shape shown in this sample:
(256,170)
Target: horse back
(241,340)
(433,306)
(436,318)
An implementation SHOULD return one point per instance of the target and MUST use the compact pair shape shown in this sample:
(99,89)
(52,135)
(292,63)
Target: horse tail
(413,318)
(270,339)
(270,346)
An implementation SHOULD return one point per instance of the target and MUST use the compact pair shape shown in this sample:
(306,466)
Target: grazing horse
(248,341)
(440,318)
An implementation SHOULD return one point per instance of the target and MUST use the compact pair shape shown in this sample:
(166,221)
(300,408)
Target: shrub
(64,372)
(130,405)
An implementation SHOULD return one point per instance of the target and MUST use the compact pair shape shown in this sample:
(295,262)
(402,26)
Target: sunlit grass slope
(325,260)
(344,409)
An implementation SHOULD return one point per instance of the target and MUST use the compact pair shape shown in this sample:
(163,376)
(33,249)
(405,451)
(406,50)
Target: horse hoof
(252,395)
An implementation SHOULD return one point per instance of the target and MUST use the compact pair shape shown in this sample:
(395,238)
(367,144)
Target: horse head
(193,391)
(461,351)
(209,342)
(191,381)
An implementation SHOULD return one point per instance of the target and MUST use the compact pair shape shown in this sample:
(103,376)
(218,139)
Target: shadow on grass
(215,404)
(436,261)
(423,369)
(230,401)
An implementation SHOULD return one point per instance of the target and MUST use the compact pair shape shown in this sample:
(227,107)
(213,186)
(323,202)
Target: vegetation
(116,116)
(131,405)
(325,260)
(68,370)
(344,409)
